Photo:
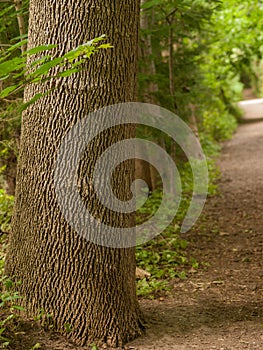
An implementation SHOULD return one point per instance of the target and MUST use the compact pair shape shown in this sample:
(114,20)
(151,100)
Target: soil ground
(219,307)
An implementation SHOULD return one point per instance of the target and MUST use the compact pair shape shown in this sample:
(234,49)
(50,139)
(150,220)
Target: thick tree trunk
(89,287)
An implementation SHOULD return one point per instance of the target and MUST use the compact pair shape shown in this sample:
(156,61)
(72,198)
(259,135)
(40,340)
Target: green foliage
(217,48)
(36,346)
(46,320)
(215,43)
(8,306)
(218,126)
(240,24)
(151,288)
(94,347)
(187,19)
(68,327)
(40,68)
(165,257)
(9,297)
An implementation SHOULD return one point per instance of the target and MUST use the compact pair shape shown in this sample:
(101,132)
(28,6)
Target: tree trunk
(192,120)
(20,21)
(87,288)
(144,170)
(171,67)
(146,53)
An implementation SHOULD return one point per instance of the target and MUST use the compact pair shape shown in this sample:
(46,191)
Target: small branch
(168,15)
(171,13)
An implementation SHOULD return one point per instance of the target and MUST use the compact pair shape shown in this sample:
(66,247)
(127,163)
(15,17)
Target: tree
(89,290)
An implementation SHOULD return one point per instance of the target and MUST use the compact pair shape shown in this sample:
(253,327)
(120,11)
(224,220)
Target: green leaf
(95,40)
(69,72)
(12,65)
(68,327)
(85,49)
(27,104)
(10,317)
(7,91)
(19,37)
(151,4)
(38,49)
(7,282)
(17,45)
(41,60)
(4,77)
(74,54)
(44,68)
(105,46)
(6,10)
(17,307)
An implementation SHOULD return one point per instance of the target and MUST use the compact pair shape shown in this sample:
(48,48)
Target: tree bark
(89,287)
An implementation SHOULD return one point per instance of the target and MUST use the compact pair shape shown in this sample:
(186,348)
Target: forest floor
(220,306)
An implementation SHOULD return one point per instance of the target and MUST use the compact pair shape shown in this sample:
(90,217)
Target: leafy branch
(39,69)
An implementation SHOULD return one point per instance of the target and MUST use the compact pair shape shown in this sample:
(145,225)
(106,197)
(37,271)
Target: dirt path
(221,307)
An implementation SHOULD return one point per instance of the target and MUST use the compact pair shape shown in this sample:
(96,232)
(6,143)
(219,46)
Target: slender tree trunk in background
(146,53)
(10,173)
(143,169)
(171,73)
(171,68)
(192,120)
(21,21)
(89,287)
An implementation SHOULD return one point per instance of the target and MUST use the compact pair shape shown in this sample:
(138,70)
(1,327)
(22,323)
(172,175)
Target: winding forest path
(220,307)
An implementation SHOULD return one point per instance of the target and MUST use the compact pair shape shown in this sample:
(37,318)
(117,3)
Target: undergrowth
(165,256)
(8,295)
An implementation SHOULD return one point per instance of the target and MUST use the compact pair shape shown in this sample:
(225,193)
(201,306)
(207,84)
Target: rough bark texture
(89,287)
